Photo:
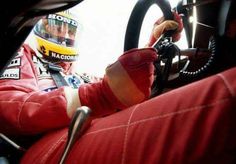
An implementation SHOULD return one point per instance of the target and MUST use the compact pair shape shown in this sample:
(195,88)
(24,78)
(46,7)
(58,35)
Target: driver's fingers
(160,28)
(167,25)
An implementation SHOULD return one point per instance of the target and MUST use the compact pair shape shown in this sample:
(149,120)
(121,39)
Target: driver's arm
(126,82)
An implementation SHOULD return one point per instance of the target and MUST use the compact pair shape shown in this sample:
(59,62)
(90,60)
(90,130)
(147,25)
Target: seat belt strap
(55,72)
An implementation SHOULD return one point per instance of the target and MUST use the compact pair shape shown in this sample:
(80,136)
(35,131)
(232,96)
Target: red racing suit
(193,124)
(25,106)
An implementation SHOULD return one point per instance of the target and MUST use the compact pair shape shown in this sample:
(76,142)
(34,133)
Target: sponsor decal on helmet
(62,56)
(63,19)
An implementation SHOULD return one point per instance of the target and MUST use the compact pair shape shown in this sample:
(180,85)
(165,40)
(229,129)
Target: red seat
(192,124)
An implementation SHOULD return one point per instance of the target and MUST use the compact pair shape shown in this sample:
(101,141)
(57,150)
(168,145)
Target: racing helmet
(56,37)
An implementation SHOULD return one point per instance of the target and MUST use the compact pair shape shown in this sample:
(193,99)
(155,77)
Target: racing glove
(161,26)
(126,82)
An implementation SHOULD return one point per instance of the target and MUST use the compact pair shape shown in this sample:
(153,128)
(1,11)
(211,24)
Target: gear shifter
(77,125)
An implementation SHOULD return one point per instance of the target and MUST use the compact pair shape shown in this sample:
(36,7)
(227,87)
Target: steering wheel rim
(134,26)
(136,19)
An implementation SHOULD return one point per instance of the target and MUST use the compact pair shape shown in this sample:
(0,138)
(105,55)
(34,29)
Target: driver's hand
(131,76)
(162,26)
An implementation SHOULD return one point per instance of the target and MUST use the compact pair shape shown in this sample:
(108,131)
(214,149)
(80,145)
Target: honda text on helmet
(56,37)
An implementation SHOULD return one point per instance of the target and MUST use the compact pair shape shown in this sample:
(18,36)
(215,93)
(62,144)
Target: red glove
(162,26)
(126,82)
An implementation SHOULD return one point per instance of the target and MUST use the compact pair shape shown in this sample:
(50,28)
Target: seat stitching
(52,148)
(105,129)
(201,107)
(228,86)
(126,136)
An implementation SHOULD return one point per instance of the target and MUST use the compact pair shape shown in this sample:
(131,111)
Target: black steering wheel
(136,20)
(166,49)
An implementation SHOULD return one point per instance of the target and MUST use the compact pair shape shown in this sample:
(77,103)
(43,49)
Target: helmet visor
(58,29)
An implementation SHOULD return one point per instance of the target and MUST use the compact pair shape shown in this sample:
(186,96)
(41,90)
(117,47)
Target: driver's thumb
(167,25)
(159,29)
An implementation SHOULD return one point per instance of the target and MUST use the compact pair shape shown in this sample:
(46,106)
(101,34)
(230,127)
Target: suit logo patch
(11,73)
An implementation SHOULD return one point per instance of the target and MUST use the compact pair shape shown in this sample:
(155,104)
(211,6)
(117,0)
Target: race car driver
(31,102)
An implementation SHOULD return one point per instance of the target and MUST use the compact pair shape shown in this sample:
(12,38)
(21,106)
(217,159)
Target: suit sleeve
(24,108)
(23,112)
